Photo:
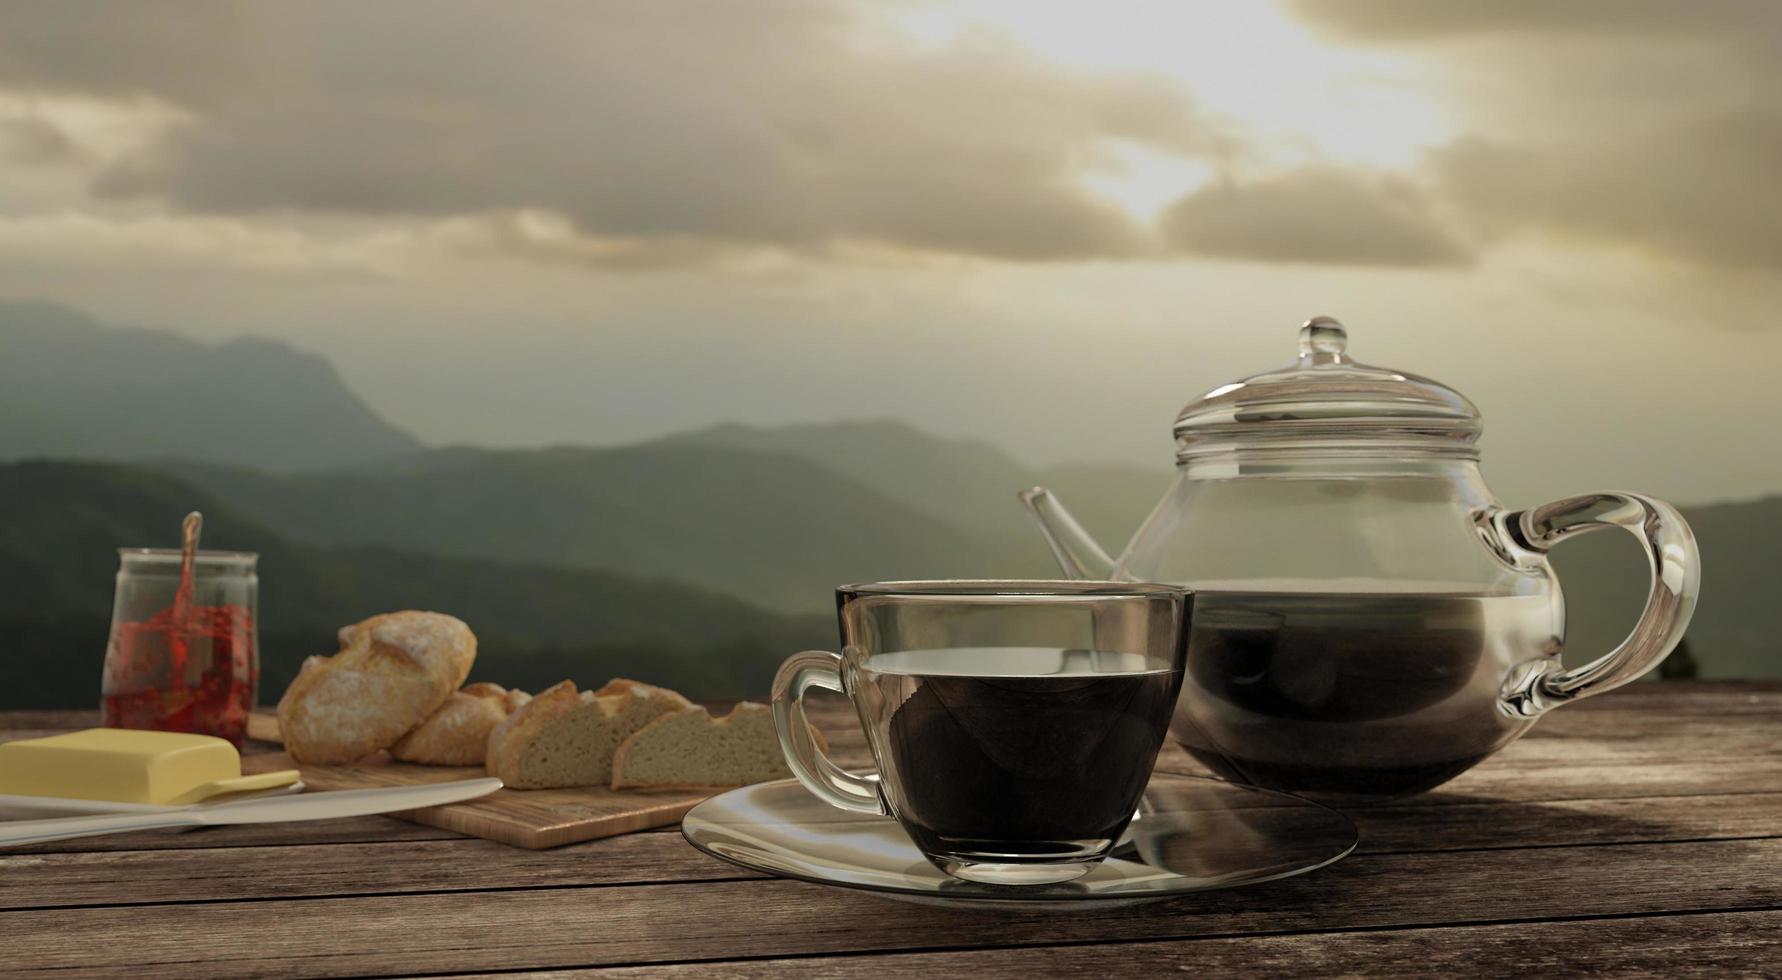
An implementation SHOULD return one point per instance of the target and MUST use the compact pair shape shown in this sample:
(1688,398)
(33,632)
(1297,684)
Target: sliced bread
(567,738)
(691,750)
(458,733)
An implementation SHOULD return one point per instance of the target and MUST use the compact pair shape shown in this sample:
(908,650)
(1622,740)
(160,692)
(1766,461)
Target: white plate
(33,807)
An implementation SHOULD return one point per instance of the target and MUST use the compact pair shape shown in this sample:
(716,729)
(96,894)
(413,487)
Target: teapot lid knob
(1322,341)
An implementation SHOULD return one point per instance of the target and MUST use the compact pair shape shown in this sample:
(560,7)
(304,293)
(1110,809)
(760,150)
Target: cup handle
(827,781)
(1672,559)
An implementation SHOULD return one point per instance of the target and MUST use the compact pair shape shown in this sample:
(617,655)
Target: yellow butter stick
(126,766)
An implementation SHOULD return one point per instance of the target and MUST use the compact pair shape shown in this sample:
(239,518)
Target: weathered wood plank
(1681,946)
(349,830)
(1492,824)
(1493,780)
(1720,753)
(1459,826)
(462,864)
(1675,690)
(1631,766)
(511,930)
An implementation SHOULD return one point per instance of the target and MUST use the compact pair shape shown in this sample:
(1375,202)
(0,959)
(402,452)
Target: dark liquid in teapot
(1354,695)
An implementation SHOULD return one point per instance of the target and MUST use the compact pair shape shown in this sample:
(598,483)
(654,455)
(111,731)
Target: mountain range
(775,517)
(697,560)
(780,528)
(63,522)
(71,387)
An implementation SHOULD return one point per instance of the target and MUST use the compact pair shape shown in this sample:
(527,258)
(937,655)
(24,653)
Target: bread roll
(691,750)
(392,672)
(566,738)
(458,733)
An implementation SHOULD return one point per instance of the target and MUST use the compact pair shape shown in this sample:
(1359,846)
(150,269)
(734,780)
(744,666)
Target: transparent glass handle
(1675,566)
(827,781)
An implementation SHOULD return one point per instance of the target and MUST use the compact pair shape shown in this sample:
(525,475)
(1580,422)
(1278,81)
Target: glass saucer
(1192,833)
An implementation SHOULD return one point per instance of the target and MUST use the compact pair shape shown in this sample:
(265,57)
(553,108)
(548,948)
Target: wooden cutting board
(533,818)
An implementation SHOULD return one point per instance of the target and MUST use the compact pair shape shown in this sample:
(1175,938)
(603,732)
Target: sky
(1046,225)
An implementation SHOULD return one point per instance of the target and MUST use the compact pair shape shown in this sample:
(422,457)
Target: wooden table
(1640,832)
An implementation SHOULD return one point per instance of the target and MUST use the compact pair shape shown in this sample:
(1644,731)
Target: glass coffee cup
(1014,723)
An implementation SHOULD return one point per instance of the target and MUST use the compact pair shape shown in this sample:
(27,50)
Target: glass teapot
(1369,621)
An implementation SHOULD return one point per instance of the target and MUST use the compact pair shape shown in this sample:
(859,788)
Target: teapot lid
(1326,398)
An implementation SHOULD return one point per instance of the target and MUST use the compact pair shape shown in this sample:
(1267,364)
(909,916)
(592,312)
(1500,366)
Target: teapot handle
(1671,557)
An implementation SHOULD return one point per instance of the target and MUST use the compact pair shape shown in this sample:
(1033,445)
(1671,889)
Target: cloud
(786,123)
(631,133)
(1633,124)
(1706,190)
(78,134)
(1407,20)
(364,250)
(547,237)
(1319,215)
(36,143)
(78,240)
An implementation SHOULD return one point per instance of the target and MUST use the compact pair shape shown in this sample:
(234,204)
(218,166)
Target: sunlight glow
(1291,97)
(1143,180)
(89,129)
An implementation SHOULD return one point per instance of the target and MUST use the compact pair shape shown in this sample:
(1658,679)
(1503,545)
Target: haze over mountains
(698,560)
(761,515)
(73,388)
(63,522)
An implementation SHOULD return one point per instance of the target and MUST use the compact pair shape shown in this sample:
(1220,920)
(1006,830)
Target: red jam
(192,677)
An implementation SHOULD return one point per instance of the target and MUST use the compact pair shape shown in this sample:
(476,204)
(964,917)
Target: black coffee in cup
(1014,723)
(1012,751)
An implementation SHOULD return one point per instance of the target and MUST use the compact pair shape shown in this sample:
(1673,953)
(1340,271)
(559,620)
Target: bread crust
(457,734)
(392,671)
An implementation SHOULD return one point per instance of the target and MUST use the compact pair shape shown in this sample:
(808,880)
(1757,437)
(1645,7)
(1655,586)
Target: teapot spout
(1077,553)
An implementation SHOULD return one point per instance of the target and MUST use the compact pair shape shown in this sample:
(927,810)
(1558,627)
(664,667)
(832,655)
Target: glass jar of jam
(184,651)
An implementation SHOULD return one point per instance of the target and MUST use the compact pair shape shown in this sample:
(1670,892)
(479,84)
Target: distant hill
(775,517)
(965,482)
(60,526)
(72,388)
(775,530)
(1731,636)
(778,517)
(753,526)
